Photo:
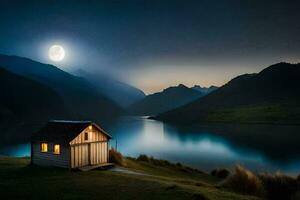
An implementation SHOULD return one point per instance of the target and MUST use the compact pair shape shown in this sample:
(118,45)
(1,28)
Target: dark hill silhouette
(168,99)
(24,101)
(121,93)
(271,96)
(80,97)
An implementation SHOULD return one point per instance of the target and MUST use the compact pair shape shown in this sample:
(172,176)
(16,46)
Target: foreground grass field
(19,180)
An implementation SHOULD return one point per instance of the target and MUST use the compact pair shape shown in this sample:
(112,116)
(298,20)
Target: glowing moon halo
(56,53)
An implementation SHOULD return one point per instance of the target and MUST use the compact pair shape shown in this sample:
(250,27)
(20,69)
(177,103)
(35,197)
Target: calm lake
(258,147)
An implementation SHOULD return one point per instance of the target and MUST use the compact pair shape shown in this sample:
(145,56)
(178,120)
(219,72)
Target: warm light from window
(44,147)
(90,127)
(56,149)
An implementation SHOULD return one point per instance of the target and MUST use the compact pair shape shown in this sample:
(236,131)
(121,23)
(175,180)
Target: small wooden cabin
(70,144)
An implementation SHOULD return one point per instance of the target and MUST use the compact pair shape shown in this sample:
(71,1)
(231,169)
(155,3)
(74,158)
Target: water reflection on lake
(258,147)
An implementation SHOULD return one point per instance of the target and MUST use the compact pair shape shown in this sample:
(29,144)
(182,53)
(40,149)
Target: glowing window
(56,149)
(86,136)
(44,147)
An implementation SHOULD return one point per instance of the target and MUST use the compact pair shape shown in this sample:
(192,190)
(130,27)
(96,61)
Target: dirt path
(127,171)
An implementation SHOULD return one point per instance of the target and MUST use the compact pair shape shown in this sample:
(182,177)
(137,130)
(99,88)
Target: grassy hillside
(264,113)
(18,180)
(271,96)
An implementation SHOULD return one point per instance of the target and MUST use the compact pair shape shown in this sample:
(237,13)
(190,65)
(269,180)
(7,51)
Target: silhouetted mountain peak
(199,86)
(182,86)
(175,88)
(204,90)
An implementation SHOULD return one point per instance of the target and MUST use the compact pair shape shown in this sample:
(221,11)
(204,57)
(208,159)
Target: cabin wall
(49,158)
(89,152)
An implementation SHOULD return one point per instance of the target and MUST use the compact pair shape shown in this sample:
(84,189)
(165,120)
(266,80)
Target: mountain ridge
(79,95)
(167,99)
(205,90)
(270,96)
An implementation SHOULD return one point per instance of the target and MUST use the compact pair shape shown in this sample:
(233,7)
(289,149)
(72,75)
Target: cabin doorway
(98,153)
(93,153)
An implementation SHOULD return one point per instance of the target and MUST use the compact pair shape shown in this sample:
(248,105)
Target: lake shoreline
(206,146)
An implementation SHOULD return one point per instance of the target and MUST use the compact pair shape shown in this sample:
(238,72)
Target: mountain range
(33,92)
(81,97)
(270,96)
(168,99)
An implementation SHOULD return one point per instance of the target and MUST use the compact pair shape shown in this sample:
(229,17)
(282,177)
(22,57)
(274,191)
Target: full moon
(56,53)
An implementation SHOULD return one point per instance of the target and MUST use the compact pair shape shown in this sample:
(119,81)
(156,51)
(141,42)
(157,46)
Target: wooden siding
(49,158)
(99,153)
(79,155)
(89,152)
(94,135)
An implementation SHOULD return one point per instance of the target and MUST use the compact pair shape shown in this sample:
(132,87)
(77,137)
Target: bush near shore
(116,157)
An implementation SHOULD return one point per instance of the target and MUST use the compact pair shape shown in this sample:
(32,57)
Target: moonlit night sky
(154,44)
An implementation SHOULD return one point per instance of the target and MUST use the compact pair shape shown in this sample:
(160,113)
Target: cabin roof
(63,131)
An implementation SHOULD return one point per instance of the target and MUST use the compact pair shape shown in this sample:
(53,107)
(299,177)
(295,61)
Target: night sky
(155,44)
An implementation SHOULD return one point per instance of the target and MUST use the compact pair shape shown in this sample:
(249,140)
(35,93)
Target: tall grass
(279,186)
(272,186)
(245,182)
(116,157)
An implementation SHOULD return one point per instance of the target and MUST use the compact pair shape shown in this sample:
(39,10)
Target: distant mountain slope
(204,90)
(24,101)
(23,98)
(168,99)
(121,93)
(271,96)
(79,96)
